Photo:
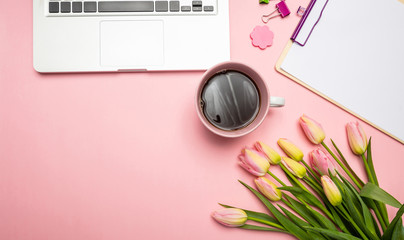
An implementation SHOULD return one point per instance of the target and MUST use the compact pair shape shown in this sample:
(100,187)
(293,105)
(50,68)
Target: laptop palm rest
(132,44)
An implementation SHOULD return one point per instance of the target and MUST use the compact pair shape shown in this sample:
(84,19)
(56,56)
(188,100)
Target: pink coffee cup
(265,100)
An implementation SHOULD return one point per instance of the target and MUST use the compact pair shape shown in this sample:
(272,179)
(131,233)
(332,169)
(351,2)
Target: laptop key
(161,6)
(77,7)
(125,6)
(53,7)
(90,7)
(65,7)
(196,3)
(208,8)
(197,9)
(174,6)
(185,8)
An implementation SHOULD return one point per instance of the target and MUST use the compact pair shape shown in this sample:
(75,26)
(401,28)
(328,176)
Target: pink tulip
(356,138)
(331,191)
(313,130)
(290,149)
(294,167)
(254,162)
(230,217)
(321,162)
(268,189)
(272,156)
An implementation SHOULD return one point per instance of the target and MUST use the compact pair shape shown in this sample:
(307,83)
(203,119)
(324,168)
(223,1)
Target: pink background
(124,156)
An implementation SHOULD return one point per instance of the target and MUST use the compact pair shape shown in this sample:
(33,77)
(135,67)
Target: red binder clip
(281,8)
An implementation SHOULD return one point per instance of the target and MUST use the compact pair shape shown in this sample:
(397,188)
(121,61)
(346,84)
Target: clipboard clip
(281,7)
(303,20)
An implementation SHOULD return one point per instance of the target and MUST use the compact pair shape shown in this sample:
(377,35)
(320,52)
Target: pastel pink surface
(124,156)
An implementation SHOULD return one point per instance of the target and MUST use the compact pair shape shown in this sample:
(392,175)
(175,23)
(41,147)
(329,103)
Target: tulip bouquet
(320,202)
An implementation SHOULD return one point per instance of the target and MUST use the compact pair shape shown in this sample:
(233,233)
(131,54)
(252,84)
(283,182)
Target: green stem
(369,173)
(266,223)
(379,208)
(276,178)
(378,215)
(309,168)
(348,217)
(315,184)
(318,191)
(345,162)
(293,178)
(342,166)
(288,203)
(326,212)
(369,160)
(383,211)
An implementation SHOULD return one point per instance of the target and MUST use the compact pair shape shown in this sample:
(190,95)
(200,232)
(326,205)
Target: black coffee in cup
(230,100)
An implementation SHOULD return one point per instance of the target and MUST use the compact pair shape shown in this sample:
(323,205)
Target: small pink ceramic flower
(313,130)
(357,138)
(320,162)
(272,156)
(230,217)
(262,37)
(254,162)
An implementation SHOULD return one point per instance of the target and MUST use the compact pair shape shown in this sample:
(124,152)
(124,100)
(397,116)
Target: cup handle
(277,102)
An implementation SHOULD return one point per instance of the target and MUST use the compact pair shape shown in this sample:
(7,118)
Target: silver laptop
(110,35)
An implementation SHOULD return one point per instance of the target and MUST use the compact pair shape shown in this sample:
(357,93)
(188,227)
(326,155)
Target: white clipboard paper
(353,56)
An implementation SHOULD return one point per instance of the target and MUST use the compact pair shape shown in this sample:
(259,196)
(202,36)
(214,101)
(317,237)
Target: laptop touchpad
(131,44)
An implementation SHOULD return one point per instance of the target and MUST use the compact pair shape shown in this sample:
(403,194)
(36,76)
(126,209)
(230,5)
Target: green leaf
(314,187)
(356,212)
(254,227)
(289,225)
(382,207)
(367,216)
(300,222)
(333,234)
(325,222)
(337,218)
(346,163)
(306,196)
(303,211)
(388,234)
(377,228)
(293,217)
(398,232)
(370,161)
(374,192)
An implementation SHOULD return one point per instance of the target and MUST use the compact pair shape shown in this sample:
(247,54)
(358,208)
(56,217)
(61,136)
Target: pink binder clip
(281,8)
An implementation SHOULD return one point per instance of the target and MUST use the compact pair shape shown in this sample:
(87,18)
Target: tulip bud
(230,217)
(290,149)
(268,189)
(313,130)
(331,191)
(320,162)
(294,167)
(272,156)
(254,162)
(357,138)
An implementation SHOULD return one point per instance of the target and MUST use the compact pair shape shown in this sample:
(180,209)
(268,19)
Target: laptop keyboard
(136,7)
